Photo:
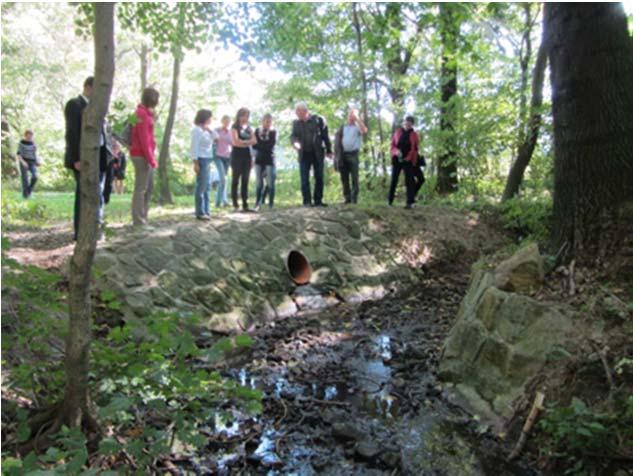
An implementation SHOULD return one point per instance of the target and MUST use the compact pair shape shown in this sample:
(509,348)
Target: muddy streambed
(352,390)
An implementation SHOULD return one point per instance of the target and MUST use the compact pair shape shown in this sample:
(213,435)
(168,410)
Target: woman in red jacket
(142,155)
(404,156)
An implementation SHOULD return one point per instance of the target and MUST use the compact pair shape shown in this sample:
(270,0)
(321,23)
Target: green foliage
(576,426)
(172,26)
(582,436)
(34,305)
(16,209)
(528,218)
(147,366)
(149,378)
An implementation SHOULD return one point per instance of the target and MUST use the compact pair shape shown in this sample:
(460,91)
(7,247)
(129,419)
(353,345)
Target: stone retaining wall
(231,270)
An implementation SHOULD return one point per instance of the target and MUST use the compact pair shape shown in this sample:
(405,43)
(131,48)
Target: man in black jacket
(311,140)
(73,113)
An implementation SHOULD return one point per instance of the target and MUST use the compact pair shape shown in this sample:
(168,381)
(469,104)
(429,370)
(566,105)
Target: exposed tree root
(48,422)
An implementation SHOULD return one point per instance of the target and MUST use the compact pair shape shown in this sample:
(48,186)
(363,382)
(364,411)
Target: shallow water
(344,398)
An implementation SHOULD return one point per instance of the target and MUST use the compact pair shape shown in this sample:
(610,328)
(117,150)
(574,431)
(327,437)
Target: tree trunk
(447,160)
(10,162)
(381,133)
(163,157)
(363,77)
(397,102)
(144,66)
(526,148)
(525,54)
(591,65)
(76,404)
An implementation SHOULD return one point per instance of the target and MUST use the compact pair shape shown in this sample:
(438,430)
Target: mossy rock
(500,340)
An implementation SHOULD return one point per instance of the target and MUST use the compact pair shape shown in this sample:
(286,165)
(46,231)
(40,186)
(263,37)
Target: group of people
(236,145)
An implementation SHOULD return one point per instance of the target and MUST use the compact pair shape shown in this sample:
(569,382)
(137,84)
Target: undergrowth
(152,382)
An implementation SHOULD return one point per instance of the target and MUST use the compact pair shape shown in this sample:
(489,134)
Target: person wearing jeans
(310,138)
(202,139)
(242,138)
(404,157)
(27,158)
(223,154)
(347,144)
(142,155)
(265,160)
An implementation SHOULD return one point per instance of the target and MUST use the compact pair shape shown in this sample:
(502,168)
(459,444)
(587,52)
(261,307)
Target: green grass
(49,208)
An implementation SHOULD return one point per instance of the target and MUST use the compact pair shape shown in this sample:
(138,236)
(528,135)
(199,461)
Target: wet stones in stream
(350,390)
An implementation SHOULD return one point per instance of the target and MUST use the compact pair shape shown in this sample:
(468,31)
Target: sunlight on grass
(48,208)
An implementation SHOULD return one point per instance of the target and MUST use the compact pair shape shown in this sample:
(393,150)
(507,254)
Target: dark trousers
(409,180)
(107,187)
(418,175)
(349,167)
(310,160)
(241,167)
(27,185)
(76,214)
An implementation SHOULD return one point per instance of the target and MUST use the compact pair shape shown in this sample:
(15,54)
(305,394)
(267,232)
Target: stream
(353,390)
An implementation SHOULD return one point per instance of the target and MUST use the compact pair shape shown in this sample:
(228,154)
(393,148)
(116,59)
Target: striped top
(27,150)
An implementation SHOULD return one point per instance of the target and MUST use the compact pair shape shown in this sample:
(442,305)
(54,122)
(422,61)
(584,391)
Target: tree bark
(530,138)
(447,160)
(397,103)
(591,73)
(163,157)
(381,134)
(144,55)
(76,404)
(525,55)
(10,163)
(363,78)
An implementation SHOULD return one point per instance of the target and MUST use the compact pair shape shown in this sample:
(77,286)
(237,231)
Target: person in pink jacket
(404,156)
(142,155)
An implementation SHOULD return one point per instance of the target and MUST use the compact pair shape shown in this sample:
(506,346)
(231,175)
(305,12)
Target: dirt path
(43,247)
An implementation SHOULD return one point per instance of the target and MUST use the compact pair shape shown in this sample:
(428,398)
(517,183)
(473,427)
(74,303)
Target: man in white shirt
(347,144)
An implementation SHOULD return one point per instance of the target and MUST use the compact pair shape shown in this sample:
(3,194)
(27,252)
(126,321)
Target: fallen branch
(537,406)
(572,283)
(324,402)
(603,358)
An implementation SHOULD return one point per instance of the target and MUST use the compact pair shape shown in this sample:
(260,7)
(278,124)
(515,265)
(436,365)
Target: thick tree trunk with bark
(163,157)
(591,62)
(530,138)
(76,405)
(447,160)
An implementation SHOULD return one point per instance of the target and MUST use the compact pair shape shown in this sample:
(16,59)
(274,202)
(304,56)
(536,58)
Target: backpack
(125,136)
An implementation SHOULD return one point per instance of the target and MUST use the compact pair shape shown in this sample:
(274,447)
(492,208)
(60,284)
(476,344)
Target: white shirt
(202,143)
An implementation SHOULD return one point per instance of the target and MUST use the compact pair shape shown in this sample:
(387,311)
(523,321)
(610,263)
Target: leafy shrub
(20,210)
(529,218)
(31,316)
(587,439)
(576,426)
(154,368)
